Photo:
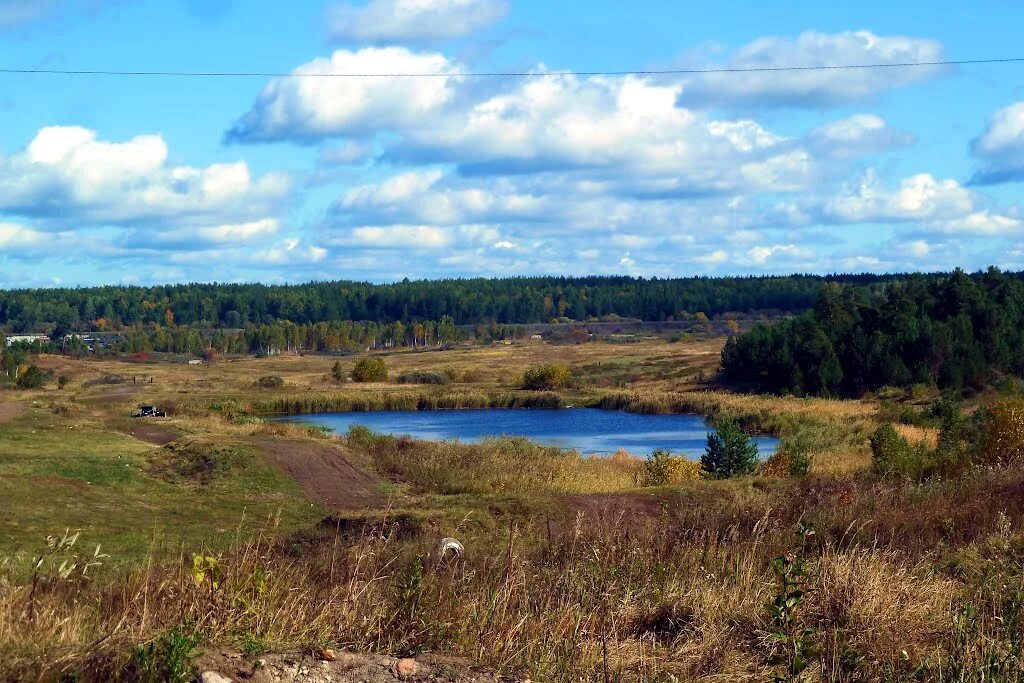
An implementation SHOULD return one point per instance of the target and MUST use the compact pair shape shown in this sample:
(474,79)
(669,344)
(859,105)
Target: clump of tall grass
(423,377)
(499,465)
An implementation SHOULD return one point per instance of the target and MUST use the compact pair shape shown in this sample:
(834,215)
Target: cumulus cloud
(290,251)
(627,134)
(856,135)
(417,236)
(1001,147)
(817,88)
(412,20)
(425,196)
(980,223)
(762,254)
(918,197)
(68,173)
(307,108)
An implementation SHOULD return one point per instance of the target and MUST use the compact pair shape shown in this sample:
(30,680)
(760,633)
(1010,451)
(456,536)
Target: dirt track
(323,471)
(151,432)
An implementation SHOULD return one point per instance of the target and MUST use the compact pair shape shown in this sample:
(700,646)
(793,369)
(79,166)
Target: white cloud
(426,196)
(918,248)
(14,236)
(629,128)
(629,125)
(856,135)
(349,152)
(305,107)
(405,236)
(762,254)
(980,223)
(67,174)
(817,87)
(713,258)
(918,197)
(240,232)
(1001,146)
(413,20)
(287,252)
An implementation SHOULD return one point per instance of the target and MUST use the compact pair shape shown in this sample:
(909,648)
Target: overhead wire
(505,74)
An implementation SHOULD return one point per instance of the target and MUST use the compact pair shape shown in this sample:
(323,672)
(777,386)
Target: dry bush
(1001,433)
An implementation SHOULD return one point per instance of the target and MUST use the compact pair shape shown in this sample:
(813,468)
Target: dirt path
(9,410)
(151,432)
(323,471)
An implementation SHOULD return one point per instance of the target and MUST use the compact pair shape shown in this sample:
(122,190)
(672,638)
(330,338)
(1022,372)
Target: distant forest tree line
(955,331)
(466,301)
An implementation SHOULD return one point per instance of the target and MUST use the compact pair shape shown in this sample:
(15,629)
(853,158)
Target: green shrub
(337,373)
(548,377)
(269,382)
(423,377)
(797,451)
(892,454)
(370,369)
(730,451)
(168,659)
(32,378)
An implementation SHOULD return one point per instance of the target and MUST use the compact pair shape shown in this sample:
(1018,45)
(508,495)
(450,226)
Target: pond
(590,430)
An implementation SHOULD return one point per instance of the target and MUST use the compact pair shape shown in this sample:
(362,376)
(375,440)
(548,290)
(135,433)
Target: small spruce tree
(730,451)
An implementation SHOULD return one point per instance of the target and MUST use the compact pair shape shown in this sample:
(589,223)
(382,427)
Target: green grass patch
(57,474)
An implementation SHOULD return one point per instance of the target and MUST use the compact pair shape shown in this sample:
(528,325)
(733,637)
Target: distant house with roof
(12,339)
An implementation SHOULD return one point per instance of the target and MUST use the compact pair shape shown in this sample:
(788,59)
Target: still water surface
(588,429)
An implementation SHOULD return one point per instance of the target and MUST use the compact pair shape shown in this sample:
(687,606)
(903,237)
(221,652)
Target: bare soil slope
(324,471)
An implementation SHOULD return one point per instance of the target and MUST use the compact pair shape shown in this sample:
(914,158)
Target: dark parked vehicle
(149,411)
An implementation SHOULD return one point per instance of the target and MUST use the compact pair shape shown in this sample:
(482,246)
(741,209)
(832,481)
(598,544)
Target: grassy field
(219,530)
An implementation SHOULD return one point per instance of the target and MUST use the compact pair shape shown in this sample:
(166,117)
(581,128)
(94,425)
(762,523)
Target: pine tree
(730,451)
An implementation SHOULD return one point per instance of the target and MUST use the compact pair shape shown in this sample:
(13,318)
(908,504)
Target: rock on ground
(345,667)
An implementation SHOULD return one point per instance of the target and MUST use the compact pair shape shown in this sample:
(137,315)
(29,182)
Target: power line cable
(509,74)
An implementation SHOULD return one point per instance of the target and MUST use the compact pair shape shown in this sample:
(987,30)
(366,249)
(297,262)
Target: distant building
(16,338)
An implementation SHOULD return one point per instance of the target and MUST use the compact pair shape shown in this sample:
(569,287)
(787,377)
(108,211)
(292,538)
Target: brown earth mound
(152,432)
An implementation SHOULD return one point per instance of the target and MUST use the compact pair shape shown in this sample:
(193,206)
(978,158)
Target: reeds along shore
(363,401)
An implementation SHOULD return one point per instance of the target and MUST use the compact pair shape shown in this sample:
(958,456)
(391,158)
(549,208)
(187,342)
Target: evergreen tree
(730,451)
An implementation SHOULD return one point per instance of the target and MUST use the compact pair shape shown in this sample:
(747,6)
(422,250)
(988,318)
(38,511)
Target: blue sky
(143,180)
